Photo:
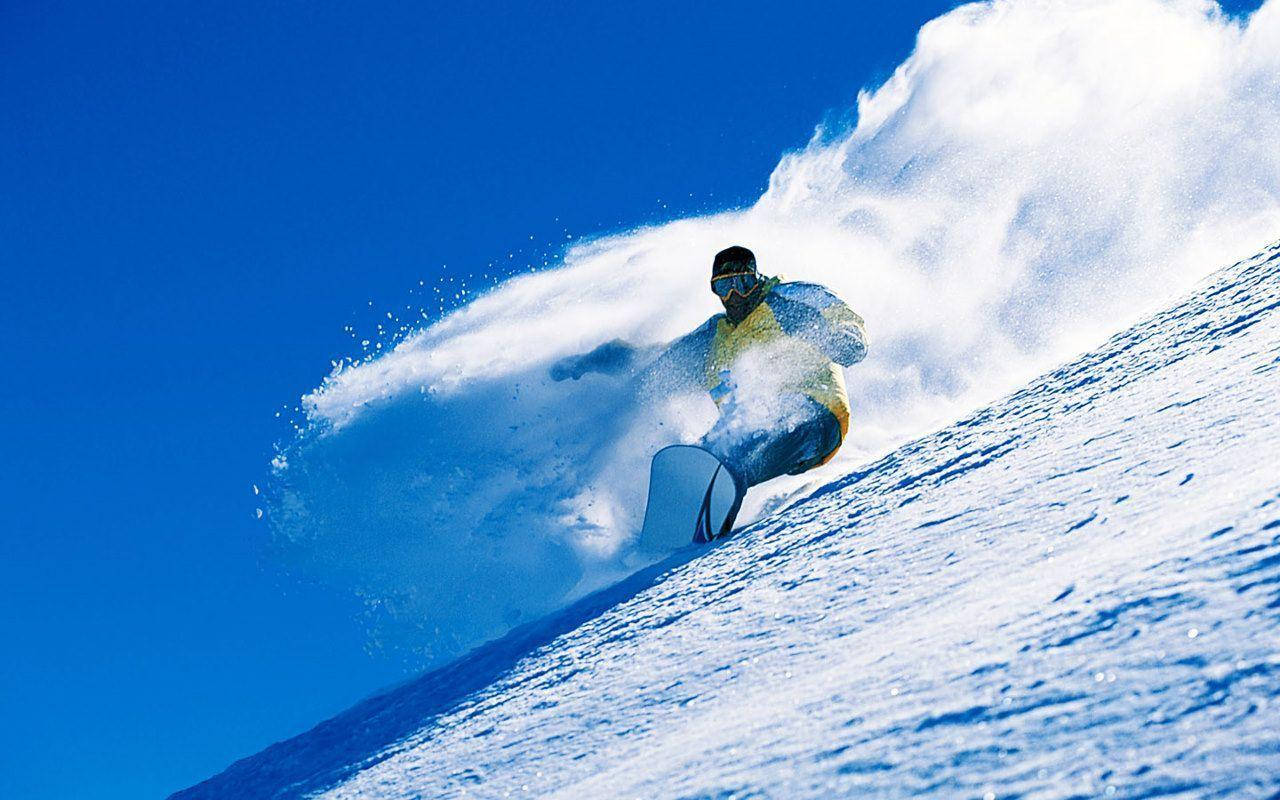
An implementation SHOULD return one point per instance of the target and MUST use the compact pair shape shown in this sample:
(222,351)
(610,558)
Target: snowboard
(692,499)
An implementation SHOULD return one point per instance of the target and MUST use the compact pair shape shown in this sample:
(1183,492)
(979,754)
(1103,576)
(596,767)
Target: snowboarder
(771,362)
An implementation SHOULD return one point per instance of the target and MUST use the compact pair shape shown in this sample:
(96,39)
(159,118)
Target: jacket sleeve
(810,312)
(682,364)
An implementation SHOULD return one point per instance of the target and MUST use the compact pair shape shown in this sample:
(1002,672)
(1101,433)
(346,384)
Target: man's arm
(677,365)
(812,313)
(682,364)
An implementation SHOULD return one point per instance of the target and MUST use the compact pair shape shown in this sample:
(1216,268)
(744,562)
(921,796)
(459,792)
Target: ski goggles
(739,283)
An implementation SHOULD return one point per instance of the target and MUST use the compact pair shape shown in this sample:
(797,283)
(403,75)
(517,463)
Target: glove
(609,358)
(569,367)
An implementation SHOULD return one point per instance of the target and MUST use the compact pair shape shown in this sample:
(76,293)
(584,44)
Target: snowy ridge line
(1074,592)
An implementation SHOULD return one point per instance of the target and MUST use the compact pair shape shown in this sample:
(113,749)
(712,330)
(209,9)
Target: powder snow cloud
(1034,176)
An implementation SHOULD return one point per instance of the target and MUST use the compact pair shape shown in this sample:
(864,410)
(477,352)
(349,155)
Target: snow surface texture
(1074,592)
(1036,175)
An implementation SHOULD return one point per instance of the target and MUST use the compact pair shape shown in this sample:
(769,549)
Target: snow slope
(1074,592)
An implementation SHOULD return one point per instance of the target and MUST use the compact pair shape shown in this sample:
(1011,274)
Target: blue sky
(196,201)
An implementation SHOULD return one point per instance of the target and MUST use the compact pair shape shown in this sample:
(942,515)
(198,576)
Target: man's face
(738,292)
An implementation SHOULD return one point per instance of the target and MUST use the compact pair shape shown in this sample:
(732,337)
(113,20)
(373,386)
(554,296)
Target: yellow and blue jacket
(810,334)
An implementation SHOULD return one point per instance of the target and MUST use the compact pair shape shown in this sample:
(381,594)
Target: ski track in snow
(1072,593)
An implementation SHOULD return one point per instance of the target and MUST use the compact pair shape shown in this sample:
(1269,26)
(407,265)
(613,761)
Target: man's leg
(804,435)
(819,440)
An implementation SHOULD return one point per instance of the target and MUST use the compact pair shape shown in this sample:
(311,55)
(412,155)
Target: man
(771,363)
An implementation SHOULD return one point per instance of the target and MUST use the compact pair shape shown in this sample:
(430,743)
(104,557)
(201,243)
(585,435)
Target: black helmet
(733,261)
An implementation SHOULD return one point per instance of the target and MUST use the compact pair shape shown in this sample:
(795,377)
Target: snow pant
(803,435)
